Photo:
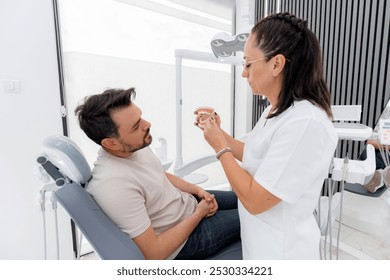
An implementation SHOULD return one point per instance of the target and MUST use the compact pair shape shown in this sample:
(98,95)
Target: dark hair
(285,34)
(94,115)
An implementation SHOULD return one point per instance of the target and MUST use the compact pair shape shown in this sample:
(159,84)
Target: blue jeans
(215,232)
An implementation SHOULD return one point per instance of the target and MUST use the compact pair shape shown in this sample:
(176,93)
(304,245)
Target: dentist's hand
(213,134)
(215,115)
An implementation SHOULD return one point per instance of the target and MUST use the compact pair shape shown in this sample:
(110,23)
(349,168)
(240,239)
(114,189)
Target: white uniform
(288,155)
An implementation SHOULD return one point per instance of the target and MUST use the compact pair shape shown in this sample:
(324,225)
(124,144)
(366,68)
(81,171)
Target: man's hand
(204,209)
(204,195)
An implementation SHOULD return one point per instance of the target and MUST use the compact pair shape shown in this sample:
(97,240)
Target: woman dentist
(287,155)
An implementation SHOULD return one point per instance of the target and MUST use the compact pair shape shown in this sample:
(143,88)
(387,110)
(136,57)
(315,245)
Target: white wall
(28,55)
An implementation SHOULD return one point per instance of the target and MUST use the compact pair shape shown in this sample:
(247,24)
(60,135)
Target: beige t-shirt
(135,193)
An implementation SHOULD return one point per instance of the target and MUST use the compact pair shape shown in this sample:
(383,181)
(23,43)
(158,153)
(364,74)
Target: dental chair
(64,162)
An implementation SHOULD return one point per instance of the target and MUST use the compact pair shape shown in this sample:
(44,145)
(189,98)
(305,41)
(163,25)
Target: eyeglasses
(247,64)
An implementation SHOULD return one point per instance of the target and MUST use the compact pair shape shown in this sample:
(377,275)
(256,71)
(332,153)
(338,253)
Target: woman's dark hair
(94,115)
(285,34)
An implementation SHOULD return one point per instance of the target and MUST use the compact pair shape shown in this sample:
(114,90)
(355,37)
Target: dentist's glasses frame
(247,64)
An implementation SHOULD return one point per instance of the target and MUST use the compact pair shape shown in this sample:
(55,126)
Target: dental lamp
(224,45)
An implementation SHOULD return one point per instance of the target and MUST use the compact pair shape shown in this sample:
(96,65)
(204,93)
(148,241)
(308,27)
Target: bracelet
(222,151)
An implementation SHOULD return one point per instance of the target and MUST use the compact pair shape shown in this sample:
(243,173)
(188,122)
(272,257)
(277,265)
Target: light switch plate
(11,86)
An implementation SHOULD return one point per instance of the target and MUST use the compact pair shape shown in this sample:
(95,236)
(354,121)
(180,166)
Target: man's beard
(131,149)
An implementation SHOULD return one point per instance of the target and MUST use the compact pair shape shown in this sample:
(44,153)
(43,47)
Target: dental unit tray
(345,118)
(352,131)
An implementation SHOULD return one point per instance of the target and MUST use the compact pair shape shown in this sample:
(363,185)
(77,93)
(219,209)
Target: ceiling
(214,13)
(219,8)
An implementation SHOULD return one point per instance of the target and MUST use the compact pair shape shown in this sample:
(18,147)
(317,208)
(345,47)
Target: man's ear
(279,62)
(110,143)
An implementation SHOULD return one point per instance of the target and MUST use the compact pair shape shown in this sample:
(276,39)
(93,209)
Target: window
(124,43)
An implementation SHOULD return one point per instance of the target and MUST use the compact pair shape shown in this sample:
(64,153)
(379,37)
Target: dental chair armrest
(193,165)
(196,163)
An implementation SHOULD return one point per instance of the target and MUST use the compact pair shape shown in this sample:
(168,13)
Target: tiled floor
(365,228)
(356,245)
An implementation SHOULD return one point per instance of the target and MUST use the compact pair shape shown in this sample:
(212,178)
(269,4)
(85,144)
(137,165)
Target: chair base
(231,252)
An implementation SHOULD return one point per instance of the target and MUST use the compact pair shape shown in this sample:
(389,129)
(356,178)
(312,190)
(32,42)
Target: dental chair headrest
(63,153)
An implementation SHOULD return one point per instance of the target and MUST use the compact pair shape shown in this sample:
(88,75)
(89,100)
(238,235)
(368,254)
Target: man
(381,175)
(166,216)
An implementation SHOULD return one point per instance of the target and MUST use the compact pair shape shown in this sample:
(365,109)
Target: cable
(42,192)
(319,222)
(43,200)
(329,216)
(54,205)
(329,226)
(384,157)
(345,174)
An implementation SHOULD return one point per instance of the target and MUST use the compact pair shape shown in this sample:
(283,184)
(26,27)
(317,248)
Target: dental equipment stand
(345,170)
(185,169)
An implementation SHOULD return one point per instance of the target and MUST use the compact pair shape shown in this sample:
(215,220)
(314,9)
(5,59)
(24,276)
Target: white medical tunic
(289,155)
